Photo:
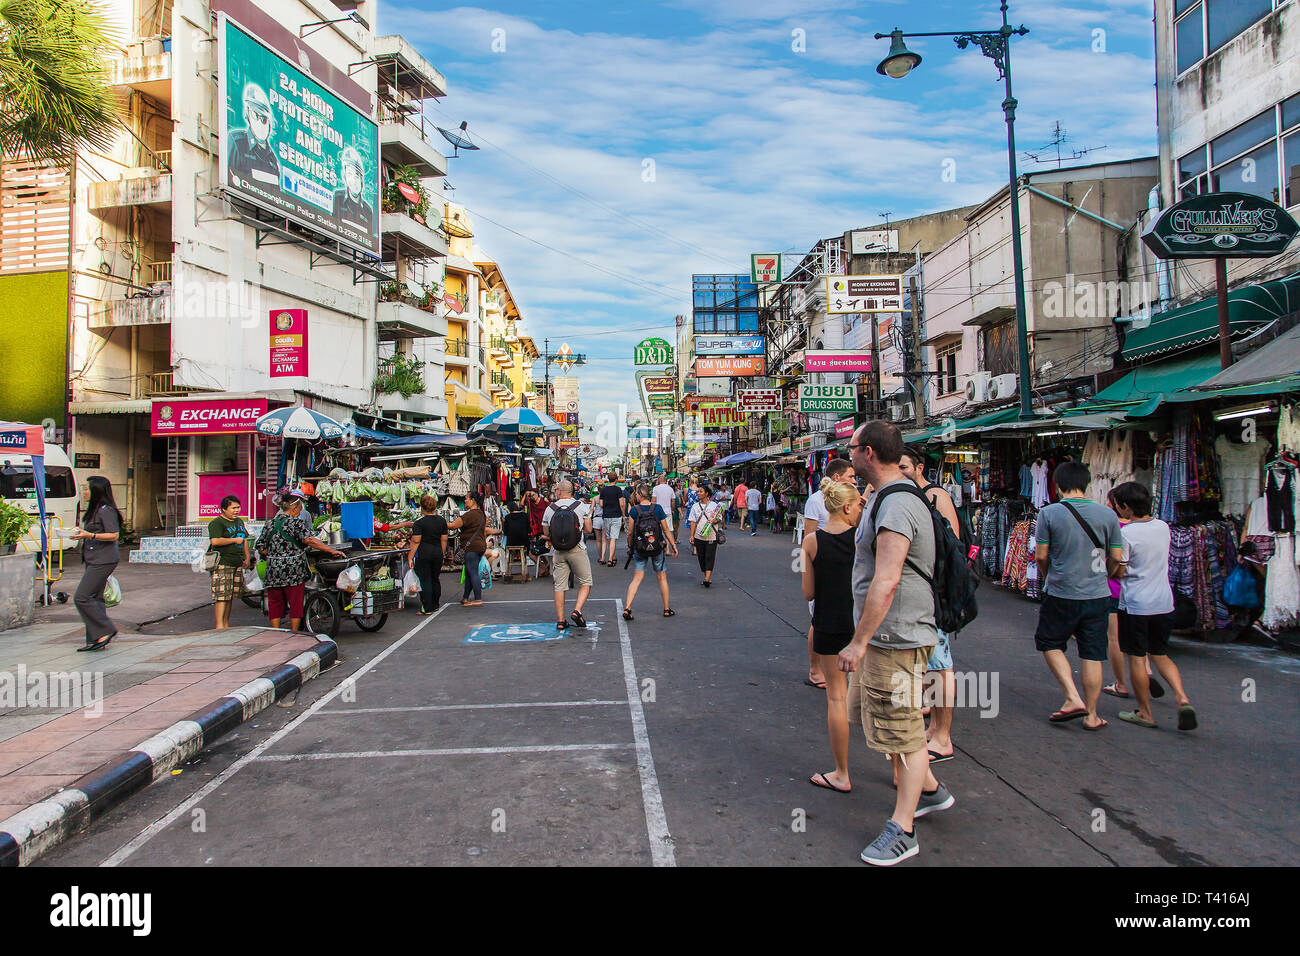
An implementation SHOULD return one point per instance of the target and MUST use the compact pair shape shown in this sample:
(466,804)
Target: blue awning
(739,458)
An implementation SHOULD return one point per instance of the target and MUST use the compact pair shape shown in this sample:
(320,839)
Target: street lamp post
(996,45)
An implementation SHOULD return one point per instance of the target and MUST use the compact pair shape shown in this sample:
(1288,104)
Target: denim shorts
(941,656)
(658,563)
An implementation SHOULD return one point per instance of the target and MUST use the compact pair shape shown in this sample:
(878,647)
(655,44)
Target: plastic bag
(112,592)
(349,579)
(1239,589)
(252,580)
(411,584)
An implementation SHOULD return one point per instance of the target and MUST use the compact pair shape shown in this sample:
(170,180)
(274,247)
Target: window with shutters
(34,215)
(998,345)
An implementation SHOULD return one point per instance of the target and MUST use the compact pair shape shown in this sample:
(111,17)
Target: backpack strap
(875,507)
(1092,535)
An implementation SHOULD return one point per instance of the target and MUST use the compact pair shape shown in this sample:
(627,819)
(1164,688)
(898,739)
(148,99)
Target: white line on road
(153,829)
(420,708)
(442,752)
(656,822)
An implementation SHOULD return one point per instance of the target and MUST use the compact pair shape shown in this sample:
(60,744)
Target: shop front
(213,450)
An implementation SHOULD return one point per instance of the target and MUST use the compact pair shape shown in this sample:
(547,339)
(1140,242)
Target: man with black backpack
(564,525)
(1079,547)
(895,604)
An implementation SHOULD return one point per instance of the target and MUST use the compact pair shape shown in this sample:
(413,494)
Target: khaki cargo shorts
(885,698)
(578,560)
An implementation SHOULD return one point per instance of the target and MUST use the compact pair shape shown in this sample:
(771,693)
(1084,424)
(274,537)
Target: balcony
(145,67)
(500,382)
(139,310)
(144,186)
(401,320)
(417,407)
(158,385)
(404,72)
(404,140)
(403,236)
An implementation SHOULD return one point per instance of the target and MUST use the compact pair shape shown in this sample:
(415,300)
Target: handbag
(210,559)
(458,482)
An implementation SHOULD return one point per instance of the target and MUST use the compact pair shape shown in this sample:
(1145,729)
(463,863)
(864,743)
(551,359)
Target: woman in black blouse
(100,556)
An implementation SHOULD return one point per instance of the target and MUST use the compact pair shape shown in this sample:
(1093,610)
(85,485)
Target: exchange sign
(849,294)
(755,400)
(292,147)
(828,398)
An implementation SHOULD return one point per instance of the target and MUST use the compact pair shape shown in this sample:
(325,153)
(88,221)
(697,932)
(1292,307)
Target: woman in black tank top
(828,583)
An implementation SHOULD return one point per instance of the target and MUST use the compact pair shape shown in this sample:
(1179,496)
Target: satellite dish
(459,138)
(415,288)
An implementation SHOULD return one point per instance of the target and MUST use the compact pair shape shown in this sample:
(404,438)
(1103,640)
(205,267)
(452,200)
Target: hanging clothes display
(1280,492)
(1282,586)
(1239,472)
(1257,530)
(1288,429)
(1200,557)
(1038,472)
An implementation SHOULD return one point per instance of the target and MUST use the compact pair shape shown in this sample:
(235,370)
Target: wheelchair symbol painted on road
(520,633)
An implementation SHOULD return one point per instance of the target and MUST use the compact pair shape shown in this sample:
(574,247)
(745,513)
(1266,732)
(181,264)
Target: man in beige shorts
(896,632)
(571,559)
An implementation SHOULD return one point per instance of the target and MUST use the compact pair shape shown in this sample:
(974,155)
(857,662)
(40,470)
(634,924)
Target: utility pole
(913,357)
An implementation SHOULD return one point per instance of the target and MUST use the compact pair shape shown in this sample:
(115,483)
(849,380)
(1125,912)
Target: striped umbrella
(516,421)
(298,422)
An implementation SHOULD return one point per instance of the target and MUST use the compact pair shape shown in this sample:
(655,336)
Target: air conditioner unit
(895,413)
(977,387)
(907,410)
(1002,386)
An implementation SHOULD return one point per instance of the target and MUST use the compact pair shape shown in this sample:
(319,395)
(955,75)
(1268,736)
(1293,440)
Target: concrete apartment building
(1076,224)
(195,296)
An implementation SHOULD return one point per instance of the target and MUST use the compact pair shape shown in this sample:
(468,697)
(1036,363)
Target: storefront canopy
(957,428)
(1270,369)
(1249,308)
(1139,393)
(739,458)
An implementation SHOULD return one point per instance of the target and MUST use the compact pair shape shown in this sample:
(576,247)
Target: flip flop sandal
(1110,689)
(1186,717)
(813,683)
(1154,688)
(627,615)
(1101,726)
(1133,717)
(1061,716)
(936,757)
(99,645)
(826,784)
(669,612)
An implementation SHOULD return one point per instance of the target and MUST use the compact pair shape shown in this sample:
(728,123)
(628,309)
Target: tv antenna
(459,138)
(1059,138)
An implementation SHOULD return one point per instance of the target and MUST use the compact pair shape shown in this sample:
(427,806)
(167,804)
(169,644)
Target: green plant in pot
(14,522)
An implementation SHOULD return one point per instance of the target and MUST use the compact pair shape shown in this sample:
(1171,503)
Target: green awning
(963,426)
(1249,308)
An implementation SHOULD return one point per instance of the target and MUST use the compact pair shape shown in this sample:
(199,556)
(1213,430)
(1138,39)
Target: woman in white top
(704,520)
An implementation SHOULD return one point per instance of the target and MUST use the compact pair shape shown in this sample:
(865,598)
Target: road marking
(656,822)
(148,833)
(540,703)
(442,752)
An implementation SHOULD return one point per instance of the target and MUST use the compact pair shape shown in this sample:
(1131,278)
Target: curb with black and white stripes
(28,834)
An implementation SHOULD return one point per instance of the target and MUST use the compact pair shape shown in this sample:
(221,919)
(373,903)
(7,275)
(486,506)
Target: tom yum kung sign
(1230,225)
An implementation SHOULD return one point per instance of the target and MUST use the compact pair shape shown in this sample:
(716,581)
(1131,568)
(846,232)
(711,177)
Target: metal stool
(519,554)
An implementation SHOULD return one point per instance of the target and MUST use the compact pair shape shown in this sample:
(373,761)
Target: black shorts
(1085,621)
(824,643)
(1143,634)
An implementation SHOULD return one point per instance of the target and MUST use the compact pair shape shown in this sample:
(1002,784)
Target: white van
(62,495)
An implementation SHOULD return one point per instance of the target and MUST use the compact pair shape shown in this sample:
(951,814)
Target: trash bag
(112,592)
(1239,589)
(349,579)
(252,580)
(411,584)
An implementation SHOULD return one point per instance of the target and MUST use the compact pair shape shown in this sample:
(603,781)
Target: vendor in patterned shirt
(283,542)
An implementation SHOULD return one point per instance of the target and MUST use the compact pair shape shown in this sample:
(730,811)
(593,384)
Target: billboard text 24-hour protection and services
(290,146)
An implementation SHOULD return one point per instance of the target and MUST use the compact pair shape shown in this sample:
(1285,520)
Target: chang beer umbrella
(515,423)
(18,438)
(297,422)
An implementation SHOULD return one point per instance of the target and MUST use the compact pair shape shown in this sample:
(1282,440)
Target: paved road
(421,748)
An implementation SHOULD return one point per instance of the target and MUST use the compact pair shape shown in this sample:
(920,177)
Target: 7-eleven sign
(765,267)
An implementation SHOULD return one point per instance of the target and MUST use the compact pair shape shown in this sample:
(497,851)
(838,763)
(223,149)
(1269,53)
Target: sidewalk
(89,729)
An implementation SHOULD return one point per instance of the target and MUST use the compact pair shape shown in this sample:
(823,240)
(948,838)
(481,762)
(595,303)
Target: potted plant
(405,193)
(14,522)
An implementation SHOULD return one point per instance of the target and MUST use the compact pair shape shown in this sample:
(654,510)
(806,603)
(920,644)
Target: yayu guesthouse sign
(1229,225)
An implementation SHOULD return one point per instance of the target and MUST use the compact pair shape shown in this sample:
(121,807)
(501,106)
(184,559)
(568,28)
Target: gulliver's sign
(1228,225)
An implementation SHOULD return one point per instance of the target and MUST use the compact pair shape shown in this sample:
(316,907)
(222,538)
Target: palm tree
(54,92)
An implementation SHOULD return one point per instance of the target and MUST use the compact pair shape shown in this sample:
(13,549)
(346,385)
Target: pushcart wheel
(62,597)
(370,622)
(320,615)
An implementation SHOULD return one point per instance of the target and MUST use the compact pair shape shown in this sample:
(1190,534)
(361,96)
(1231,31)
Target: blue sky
(629,145)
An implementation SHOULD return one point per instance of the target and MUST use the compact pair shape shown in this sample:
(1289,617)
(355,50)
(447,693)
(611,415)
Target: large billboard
(729,345)
(290,146)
